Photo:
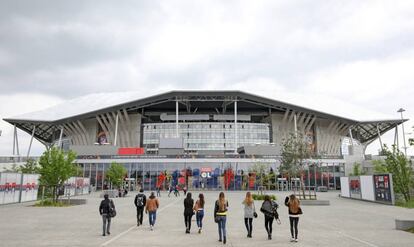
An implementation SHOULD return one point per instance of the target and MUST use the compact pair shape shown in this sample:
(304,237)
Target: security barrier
(375,188)
(18,187)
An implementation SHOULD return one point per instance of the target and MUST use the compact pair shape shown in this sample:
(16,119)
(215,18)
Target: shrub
(261,197)
(50,203)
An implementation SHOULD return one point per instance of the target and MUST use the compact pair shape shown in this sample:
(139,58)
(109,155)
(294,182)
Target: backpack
(275,206)
(112,211)
(140,200)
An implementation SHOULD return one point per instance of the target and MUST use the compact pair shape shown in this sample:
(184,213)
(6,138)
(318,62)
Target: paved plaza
(344,223)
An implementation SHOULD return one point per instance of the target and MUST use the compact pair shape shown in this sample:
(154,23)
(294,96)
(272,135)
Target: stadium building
(205,139)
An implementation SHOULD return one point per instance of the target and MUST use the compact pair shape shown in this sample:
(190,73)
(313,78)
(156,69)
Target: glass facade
(207,135)
(210,175)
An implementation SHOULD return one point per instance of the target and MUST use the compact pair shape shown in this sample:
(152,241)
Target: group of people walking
(269,209)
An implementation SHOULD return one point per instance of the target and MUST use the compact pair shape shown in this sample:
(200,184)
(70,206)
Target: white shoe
(292,240)
(296,240)
(152,227)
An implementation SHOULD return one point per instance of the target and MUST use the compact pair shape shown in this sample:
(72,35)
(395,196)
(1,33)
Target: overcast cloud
(359,53)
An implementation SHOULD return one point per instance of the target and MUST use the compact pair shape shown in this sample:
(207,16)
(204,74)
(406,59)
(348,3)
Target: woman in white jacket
(249,213)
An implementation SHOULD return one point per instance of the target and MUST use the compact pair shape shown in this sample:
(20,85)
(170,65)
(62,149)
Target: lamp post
(401,110)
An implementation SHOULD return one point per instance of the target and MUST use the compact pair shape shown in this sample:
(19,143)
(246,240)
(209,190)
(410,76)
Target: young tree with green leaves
(55,167)
(30,167)
(357,170)
(116,174)
(295,150)
(399,166)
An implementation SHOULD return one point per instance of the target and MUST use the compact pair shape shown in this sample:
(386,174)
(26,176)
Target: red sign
(131,151)
(206,169)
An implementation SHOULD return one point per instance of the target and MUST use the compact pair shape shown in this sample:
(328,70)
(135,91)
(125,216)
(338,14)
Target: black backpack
(140,200)
(275,206)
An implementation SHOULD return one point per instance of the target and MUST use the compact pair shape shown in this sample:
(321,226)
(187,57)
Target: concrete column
(295,125)
(116,129)
(176,118)
(31,141)
(235,127)
(379,137)
(60,137)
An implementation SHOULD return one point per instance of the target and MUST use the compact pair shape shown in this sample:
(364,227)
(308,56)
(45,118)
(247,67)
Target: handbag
(255,214)
(300,211)
(216,219)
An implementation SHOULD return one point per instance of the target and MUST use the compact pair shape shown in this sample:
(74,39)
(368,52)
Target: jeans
(152,217)
(222,227)
(199,218)
(140,215)
(268,224)
(187,220)
(106,220)
(294,226)
(248,222)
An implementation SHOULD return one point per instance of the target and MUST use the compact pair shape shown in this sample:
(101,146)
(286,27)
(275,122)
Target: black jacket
(269,208)
(217,208)
(144,200)
(105,206)
(188,206)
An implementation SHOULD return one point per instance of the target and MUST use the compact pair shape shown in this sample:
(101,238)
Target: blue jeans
(222,226)
(152,217)
(199,218)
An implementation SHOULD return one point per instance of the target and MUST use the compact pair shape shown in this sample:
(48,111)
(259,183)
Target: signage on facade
(206,172)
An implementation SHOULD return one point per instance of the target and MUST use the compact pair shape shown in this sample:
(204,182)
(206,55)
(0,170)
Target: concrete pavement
(344,223)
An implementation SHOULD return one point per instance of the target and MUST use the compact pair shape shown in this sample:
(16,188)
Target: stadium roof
(47,121)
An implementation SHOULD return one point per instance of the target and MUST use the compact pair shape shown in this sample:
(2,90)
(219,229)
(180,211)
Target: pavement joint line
(347,235)
(134,226)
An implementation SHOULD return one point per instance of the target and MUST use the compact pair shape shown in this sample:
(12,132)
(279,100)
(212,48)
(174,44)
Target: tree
(14,168)
(56,167)
(31,166)
(295,150)
(357,170)
(115,174)
(399,166)
(261,170)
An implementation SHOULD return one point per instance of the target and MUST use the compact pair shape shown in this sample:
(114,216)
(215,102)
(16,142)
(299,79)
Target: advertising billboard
(355,187)
(383,188)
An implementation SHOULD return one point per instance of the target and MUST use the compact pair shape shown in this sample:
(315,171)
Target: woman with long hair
(220,216)
(269,208)
(188,212)
(293,204)
(199,209)
(249,211)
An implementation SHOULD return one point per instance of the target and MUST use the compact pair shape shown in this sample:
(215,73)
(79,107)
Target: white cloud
(16,104)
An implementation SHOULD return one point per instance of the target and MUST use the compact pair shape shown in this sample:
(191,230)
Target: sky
(350,58)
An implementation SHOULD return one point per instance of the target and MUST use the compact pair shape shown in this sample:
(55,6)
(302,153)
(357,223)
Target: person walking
(188,212)
(140,201)
(269,208)
(249,213)
(105,208)
(185,190)
(159,191)
(151,208)
(176,192)
(199,209)
(220,216)
(170,189)
(293,204)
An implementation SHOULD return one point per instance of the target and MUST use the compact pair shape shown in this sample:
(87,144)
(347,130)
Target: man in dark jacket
(140,202)
(104,209)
